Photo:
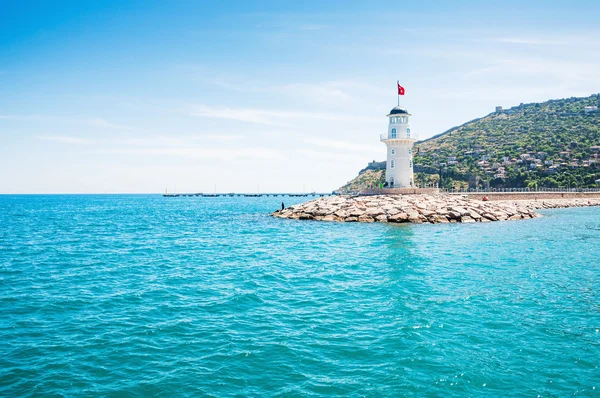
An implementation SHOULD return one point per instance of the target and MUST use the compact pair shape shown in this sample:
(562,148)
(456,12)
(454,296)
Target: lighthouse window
(407,133)
(393,133)
(393,151)
(410,164)
(392,164)
(409,151)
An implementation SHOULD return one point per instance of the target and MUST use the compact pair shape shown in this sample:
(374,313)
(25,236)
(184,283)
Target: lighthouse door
(391,182)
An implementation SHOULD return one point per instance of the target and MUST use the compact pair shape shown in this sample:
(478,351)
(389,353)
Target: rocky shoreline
(418,209)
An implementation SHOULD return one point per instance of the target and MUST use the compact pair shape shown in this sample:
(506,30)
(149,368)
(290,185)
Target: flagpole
(397,84)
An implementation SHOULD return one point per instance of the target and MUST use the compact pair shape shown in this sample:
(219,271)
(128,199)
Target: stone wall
(423,208)
(400,191)
(528,195)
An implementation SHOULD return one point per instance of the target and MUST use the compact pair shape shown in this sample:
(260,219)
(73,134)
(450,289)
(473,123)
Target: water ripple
(146,296)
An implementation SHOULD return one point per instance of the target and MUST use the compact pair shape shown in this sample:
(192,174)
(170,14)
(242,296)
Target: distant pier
(247,195)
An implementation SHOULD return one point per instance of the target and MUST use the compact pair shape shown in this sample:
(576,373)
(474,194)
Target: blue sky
(138,96)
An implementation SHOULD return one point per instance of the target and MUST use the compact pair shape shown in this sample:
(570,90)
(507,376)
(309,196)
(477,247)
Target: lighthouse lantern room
(399,141)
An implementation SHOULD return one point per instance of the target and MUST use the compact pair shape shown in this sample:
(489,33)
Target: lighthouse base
(400,191)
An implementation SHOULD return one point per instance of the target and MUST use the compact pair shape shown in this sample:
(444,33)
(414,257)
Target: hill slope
(370,177)
(551,144)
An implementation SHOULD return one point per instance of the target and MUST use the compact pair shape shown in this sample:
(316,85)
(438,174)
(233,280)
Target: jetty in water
(247,195)
(427,208)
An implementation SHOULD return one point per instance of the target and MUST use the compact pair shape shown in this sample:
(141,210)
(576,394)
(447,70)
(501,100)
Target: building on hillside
(566,154)
(399,141)
(498,109)
(589,109)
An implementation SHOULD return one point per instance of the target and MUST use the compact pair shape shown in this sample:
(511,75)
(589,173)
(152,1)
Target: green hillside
(550,144)
(371,176)
(554,144)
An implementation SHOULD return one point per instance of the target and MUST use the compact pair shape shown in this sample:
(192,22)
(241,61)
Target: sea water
(133,295)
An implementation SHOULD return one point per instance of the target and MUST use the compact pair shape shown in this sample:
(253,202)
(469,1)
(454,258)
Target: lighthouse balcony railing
(396,136)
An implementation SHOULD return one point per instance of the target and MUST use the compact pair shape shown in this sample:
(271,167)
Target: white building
(399,141)
(589,109)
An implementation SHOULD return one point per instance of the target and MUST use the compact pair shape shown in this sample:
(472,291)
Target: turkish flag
(400,89)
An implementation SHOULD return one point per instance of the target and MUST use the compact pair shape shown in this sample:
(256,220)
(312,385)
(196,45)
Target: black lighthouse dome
(399,110)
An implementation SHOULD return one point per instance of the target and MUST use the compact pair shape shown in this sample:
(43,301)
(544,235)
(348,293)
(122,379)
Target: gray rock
(365,218)
(381,218)
(398,217)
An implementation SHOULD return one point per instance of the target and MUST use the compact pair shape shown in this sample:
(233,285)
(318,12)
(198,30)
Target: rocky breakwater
(420,209)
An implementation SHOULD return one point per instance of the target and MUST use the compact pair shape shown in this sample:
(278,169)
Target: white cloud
(203,153)
(274,117)
(312,27)
(63,139)
(23,118)
(98,121)
(527,41)
(178,140)
(345,145)
(325,156)
(224,137)
(319,92)
(93,121)
(565,72)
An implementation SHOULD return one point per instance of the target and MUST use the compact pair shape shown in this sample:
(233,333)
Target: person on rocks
(282,206)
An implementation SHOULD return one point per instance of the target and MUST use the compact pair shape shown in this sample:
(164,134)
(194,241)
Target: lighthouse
(399,141)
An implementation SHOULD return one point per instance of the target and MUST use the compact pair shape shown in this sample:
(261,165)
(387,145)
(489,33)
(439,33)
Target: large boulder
(398,217)
(365,218)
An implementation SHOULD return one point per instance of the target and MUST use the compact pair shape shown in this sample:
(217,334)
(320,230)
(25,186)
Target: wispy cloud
(92,121)
(98,121)
(311,27)
(526,41)
(63,139)
(322,92)
(273,117)
(547,40)
(326,156)
(559,71)
(203,153)
(179,140)
(21,117)
(343,145)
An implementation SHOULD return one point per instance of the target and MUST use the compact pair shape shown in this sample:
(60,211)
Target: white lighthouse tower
(399,141)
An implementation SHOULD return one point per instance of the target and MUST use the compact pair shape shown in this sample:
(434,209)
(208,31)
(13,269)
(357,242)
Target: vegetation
(551,144)
(554,144)
(367,178)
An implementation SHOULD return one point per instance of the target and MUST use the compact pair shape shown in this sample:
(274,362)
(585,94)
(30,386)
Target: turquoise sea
(140,295)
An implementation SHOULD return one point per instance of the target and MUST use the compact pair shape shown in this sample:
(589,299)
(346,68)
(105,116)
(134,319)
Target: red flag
(400,89)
